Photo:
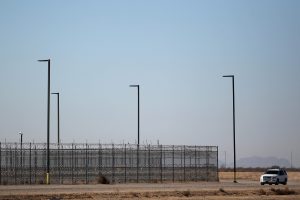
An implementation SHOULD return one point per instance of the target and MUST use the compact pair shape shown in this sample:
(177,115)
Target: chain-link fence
(99,163)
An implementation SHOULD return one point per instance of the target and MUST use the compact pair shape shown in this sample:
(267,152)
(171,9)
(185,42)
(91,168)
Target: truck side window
(281,172)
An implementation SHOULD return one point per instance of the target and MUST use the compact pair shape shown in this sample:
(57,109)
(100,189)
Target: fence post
(184,163)
(75,163)
(86,163)
(35,163)
(137,163)
(161,163)
(173,164)
(196,177)
(125,163)
(191,166)
(99,160)
(45,160)
(72,163)
(15,164)
(130,158)
(101,157)
(181,163)
(58,162)
(0,164)
(149,163)
(21,164)
(218,163)
(207,163)
(62,164)
(6,163)
(11,160)
(113,163)
(30,163)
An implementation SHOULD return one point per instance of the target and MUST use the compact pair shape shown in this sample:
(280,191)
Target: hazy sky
(176,50)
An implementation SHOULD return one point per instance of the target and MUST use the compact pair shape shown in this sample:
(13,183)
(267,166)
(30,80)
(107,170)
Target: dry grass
(285,191)
(262,192)
(254,176)
(222,190)
(187,193)
(271,193)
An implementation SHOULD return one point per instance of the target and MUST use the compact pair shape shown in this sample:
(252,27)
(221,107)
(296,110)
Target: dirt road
(192,190)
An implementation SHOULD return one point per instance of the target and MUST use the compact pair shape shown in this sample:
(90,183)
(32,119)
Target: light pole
(233,106)
(138,145)
(138,89)
(58,138)
(48,123)
(21,135)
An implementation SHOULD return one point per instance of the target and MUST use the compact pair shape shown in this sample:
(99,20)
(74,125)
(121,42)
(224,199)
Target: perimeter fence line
(106,163)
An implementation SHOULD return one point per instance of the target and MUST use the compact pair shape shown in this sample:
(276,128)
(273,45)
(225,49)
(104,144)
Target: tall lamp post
(48,123)
(233,106)
(138,145)
(138,89)
(58,138)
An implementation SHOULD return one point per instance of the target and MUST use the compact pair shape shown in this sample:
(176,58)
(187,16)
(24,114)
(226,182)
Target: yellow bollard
(47,178)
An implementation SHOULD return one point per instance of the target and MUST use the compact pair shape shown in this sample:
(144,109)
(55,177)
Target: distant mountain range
(256,161)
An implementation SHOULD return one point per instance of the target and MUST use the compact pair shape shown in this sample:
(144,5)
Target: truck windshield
(272,172)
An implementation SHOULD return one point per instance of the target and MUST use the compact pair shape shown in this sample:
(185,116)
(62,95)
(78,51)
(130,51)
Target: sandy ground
(225,189)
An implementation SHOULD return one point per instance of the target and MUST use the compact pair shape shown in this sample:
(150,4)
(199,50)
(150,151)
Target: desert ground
(247,188)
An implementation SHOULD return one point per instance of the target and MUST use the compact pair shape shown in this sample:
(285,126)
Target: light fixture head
(44,60)
(134,85)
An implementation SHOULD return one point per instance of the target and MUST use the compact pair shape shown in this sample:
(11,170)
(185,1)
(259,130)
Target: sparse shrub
(262,192)
(134,194)
(41,182)
(117,190)
(187,193)
(147,194)
(155,181)
(102,179)
(222,190)
(54,198)
(285,191)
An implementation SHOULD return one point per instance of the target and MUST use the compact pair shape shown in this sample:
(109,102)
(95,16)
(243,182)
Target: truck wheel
(277,181)
(285,181)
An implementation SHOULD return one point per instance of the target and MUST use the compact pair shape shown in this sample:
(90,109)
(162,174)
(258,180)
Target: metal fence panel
(118,163)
